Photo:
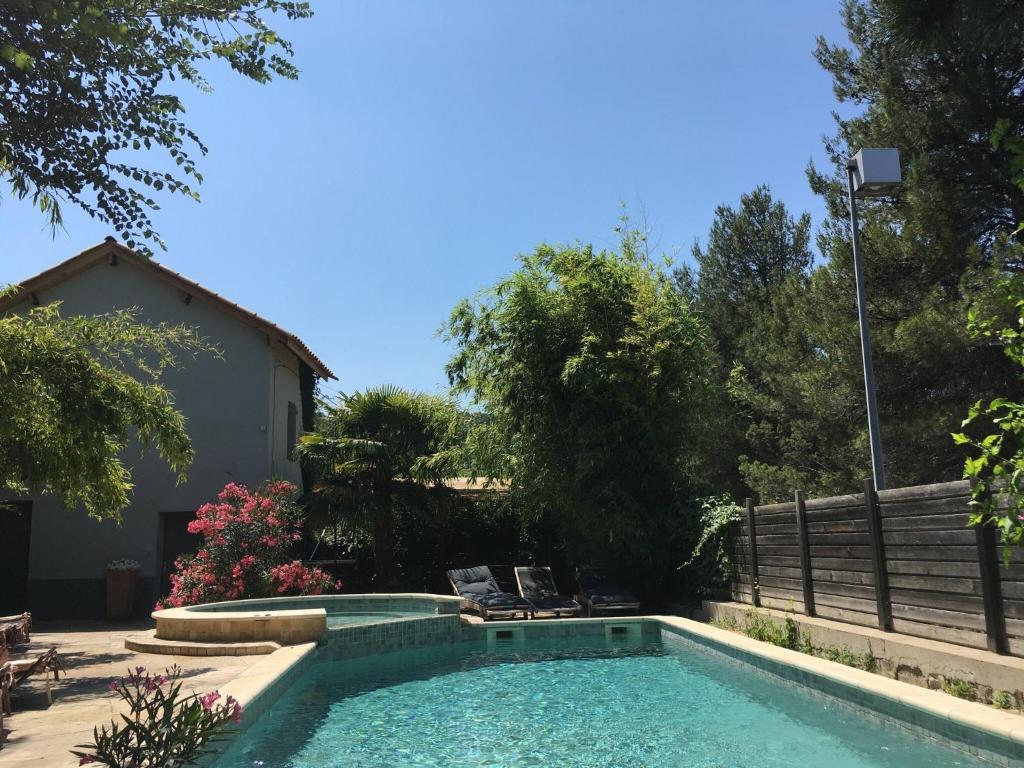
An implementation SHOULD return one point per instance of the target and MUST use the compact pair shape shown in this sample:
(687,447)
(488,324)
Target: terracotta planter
(120,593)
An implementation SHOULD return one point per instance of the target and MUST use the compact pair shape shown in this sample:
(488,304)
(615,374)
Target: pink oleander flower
(208,700)
(86,759)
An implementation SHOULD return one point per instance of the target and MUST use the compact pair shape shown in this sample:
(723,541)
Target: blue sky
(426,144)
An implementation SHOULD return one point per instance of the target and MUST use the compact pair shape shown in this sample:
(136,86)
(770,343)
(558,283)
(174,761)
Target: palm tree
(376,448)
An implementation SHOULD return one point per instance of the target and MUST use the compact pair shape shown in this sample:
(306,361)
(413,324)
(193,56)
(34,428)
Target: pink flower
(86,759)
(208,700)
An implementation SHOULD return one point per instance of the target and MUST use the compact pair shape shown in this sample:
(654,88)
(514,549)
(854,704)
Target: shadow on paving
(72,687)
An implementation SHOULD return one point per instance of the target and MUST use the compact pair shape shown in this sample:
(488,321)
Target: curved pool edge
(289,620)
(945,717)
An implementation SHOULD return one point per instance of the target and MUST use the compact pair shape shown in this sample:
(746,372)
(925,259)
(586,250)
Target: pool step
(148,642)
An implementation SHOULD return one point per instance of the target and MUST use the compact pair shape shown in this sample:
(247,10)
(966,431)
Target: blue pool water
(353,617)
(657,705)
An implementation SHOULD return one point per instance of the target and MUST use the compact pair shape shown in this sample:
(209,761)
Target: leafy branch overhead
(72,392)
(86,98)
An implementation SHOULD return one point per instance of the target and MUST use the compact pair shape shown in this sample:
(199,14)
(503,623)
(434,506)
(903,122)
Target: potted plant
(121,577)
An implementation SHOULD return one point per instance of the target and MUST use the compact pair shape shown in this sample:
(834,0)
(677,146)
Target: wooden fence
(902,560)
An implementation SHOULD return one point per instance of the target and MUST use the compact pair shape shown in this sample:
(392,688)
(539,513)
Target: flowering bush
(247,550)
(163,728)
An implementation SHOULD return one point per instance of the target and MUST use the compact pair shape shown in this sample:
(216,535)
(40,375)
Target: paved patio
(93,653)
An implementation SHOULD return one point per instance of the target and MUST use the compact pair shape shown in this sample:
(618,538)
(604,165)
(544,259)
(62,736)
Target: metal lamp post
(870,173)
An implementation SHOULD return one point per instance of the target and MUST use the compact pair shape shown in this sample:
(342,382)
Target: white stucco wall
(234,408)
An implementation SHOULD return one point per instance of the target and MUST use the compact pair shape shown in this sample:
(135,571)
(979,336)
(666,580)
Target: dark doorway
(15,533)
(177,541)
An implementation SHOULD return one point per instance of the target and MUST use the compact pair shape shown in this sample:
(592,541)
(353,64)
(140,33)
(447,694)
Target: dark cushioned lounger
(478,588)
(537,585)
(600,593)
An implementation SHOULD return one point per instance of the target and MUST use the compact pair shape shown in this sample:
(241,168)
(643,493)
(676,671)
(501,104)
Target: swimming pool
(646,700)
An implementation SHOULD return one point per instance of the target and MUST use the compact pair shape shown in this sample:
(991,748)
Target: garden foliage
(248,543)
(73,390)
(86,93)
(933,79)
(593,374)
(710,564)
(377,451)
(163,727)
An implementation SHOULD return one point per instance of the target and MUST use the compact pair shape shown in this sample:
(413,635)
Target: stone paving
(94,653)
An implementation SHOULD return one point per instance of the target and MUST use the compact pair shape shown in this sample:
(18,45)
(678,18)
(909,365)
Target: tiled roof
(111,249)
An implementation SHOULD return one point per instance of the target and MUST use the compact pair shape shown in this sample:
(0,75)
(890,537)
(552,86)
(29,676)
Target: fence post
(883,606)
(755,590)
(991,591)
(805,553)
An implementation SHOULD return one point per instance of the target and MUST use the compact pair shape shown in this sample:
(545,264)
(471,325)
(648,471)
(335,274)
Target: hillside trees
(934,80)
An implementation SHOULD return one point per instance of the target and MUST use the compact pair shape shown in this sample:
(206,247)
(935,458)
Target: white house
(244,412)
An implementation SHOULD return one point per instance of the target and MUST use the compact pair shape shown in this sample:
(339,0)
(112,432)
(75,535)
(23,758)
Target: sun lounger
(21,669)
(600,593)
(480,592)
(5,686)
(537,586)
(16,629)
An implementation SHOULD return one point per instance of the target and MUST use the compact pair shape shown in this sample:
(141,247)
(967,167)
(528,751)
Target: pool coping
(941,705)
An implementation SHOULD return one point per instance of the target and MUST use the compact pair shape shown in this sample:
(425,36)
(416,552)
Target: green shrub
(962,689)
(843,655)
(709,563)
(725,622)
(762,628)
(1003,700)
(164,727)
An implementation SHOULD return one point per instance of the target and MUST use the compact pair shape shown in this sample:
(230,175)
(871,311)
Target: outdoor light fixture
(870,173)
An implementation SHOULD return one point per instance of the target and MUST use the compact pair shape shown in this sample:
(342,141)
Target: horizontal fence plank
(776,528)
(786,561)
(1012,590)
(789,573)
(856,552)
(940,617)
(866,578)
(834,502)
(948,601)
(933,491)
(925,523)
(839,538)
(776,549)
(934,568)
(775,538)
(953,507)
(850,617)
(935,584)
(854,512)
(841,563)
(1014,608)
(782,508)
(850,603)
(782,604)
(838,526)
(964,537)
(844,590)
(943,634)
(936,552)
(778,581)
